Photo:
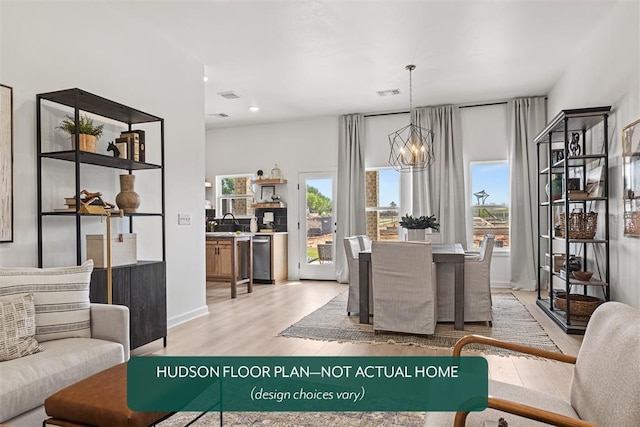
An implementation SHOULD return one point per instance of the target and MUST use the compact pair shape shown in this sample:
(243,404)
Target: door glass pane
(319,224)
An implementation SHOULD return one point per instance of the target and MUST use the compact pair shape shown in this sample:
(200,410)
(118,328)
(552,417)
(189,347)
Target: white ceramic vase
(415,234)
(253,225)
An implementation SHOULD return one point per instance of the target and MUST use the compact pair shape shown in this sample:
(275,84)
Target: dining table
(442,253)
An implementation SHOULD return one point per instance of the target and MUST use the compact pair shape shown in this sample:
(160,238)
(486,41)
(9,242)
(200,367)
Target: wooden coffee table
(99,400)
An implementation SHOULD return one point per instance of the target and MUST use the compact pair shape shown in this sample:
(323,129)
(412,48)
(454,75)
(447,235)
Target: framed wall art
(631,178)
(6,164)
(266,192)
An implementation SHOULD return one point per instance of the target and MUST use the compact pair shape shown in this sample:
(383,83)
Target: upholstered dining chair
(352,250)
(404,287)
(477,286)
(604,388)
(365,242)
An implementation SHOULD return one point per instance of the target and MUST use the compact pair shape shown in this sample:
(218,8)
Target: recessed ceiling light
(205,79)
(254,108)
(389,92)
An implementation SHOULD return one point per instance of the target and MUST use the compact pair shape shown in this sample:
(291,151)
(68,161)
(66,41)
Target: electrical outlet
(184,219)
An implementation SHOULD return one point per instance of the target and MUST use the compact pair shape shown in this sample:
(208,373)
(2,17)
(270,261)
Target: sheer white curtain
(527,119)
(439,190)
(351,219)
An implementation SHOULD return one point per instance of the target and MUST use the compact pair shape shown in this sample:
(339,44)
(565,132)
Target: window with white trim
(382,194)
(235,194)
(490,201)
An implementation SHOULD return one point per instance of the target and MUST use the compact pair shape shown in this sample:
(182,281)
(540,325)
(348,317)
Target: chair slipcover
(365,242)
(404,287)
(477,286)
(352,250)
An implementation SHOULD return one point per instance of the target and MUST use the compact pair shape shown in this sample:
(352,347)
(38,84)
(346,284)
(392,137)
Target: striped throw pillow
(17,327)
(61,296)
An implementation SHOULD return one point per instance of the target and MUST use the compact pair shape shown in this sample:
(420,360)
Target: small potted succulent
(89,132)
(416,226)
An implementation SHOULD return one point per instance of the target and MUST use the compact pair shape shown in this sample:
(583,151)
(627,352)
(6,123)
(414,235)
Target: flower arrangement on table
(412,223)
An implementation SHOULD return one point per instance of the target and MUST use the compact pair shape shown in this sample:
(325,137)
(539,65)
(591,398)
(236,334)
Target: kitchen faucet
(236,224)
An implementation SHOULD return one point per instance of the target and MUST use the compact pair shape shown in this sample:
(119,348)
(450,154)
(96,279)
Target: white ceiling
(299,59)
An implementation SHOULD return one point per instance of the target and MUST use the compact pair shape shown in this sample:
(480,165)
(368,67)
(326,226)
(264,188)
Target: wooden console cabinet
(141,288)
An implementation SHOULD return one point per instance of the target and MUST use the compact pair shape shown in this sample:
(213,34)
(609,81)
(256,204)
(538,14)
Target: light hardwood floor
(249,326)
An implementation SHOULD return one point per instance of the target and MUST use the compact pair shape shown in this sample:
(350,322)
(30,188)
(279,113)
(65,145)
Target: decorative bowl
(585,276)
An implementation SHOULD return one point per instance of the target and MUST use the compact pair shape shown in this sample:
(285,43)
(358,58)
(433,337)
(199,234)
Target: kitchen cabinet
(573,220)
(64,169)
(218,259)
(229,257)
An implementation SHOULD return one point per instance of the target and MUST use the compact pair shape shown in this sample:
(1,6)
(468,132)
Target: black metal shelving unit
(148,318)
(591,124)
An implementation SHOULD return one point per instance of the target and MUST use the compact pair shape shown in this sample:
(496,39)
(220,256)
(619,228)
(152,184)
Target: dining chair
(477,286)
(604,387)
(404,287)
(365,242)
(352,250)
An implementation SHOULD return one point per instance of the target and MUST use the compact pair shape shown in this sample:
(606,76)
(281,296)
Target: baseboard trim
(185,317)
(501,284)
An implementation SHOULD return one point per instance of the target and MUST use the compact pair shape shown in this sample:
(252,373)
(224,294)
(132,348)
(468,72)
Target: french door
(317,221)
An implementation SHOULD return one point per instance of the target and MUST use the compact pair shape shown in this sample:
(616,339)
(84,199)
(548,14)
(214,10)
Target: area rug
(297,419)
(511,322)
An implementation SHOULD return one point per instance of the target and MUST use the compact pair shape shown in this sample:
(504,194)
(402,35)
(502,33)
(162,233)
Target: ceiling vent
(229,95)
(220,115)
(389,92)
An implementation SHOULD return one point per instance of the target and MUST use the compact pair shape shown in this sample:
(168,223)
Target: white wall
(301,146)
(485,137)
(311,145)
(605,72)
(50,46)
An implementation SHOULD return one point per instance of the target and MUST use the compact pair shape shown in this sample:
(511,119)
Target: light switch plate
(184,219)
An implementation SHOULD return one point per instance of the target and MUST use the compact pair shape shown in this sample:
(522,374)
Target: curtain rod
(392,113)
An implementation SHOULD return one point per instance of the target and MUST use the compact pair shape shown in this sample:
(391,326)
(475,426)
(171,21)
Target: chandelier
(411,146)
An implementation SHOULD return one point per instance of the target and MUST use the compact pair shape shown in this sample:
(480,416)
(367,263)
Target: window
(382,193)
(490,201)
(235,194)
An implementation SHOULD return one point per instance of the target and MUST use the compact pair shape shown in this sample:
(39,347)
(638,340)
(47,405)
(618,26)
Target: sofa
(73,338)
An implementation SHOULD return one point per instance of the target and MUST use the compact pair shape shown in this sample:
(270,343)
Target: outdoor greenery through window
(490,202)
(234,194)
(382,190)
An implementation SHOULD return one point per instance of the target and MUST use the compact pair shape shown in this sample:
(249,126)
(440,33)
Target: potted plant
(416,226)
(89,132)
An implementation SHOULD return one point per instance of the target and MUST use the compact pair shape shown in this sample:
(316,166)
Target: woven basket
(581,305)
(582,225)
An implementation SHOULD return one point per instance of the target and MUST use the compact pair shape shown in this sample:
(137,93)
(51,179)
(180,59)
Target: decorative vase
(416,234)
(127,199)
(275,172)
(556,187)
(253,225)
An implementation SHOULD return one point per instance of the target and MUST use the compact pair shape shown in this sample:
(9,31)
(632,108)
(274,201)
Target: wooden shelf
(269,205)
(269,181)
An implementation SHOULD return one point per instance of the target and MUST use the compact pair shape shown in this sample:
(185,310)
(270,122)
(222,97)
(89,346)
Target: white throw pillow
(61,297)
(17,327)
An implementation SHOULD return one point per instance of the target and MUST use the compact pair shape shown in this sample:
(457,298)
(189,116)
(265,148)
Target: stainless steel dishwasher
(262,259)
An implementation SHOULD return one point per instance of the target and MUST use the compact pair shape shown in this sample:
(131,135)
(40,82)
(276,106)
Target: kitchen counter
(229,256)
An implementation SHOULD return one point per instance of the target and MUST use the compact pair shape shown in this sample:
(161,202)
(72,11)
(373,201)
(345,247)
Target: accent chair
(404,287)
(604,389)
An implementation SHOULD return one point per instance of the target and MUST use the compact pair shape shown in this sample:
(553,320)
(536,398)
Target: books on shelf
(132,145)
